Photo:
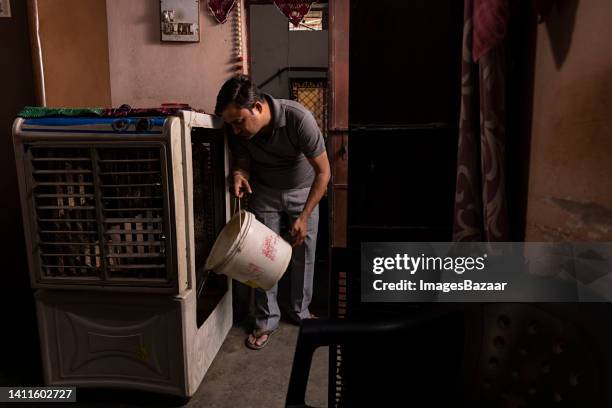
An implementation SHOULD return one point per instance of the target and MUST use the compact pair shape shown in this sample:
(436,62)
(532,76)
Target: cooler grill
(100,213)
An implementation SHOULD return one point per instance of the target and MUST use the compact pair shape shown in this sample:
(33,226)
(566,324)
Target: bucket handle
(239,211)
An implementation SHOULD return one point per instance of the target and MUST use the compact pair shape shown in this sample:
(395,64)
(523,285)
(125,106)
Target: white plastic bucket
(250,252)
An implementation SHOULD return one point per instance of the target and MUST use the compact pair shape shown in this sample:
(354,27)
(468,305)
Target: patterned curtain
(295,10)
(480,201)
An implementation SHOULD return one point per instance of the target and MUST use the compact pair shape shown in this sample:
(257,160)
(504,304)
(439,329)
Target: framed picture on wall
(180,20)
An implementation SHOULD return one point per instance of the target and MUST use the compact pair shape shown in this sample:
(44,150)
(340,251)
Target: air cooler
(119,215)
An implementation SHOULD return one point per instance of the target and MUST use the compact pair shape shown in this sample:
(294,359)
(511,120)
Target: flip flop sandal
(258,334)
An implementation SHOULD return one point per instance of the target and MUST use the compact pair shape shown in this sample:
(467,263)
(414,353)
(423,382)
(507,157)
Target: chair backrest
(478,355)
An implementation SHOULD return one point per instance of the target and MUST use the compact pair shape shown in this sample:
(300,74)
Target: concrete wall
(145,72)
(75,52)
(570,188)
(108,52)
(274,47)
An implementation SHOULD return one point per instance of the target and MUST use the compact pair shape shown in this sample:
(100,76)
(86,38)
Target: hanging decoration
(220,9)
(490,25)
(237,28)
(295,10)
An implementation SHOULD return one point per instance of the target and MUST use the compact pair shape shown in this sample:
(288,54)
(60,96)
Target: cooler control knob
(120,125)
(143,125)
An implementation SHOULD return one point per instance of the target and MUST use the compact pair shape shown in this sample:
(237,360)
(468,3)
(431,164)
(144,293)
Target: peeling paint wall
(146,72)
(108,52)
(570,181)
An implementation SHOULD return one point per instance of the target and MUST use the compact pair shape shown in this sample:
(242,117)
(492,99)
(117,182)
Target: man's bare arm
(241,165)
(320,164)
(240,176)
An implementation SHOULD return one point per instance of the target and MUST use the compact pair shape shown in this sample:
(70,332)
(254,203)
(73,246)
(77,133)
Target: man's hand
(299,230)
(320,164)
(241,184)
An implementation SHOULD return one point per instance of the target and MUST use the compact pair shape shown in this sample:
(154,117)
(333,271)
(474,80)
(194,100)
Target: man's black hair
(240,91)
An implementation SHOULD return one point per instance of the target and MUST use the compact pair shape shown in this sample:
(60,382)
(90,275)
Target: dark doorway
(20,352)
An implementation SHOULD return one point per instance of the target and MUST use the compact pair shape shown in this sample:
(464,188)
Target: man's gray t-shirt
(279,160)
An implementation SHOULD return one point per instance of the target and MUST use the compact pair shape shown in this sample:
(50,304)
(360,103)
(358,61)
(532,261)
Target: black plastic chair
(369,343)
(477,355)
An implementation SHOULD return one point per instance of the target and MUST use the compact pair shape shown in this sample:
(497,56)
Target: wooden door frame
(338,122)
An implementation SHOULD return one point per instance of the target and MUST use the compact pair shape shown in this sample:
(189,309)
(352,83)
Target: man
(278,156)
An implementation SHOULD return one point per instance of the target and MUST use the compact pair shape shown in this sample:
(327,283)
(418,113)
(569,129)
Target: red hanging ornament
(220,9)
(295,10)
(490,25)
